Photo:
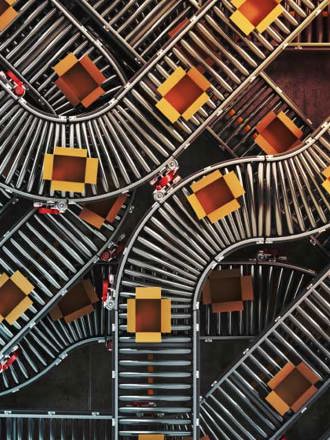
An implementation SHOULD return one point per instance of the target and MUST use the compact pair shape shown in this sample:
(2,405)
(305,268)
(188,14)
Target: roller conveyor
(156,406)
(235,128)
(175,251)
(317,35)
(143,26)
(140,138)
(53,253)
(235,407)
(42,35)
(55,425)
(275,285)
(284,200)
(49,342)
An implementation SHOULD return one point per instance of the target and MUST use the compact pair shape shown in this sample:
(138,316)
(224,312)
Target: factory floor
(83,380)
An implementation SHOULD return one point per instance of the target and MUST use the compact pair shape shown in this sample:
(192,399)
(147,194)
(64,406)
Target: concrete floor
(83,380)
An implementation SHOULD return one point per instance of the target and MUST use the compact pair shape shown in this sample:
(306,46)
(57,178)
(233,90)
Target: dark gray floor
(83,380)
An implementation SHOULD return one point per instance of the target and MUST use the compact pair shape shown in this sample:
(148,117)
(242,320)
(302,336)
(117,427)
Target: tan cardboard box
(77,302)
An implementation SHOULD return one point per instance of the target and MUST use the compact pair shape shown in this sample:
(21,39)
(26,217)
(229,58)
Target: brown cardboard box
(69,169)
(148,315)
(96,213)
(292,387)
(14,300)
(277,133)
(77,302)
(7,13)
(226,290)
(216,195)
(79,80)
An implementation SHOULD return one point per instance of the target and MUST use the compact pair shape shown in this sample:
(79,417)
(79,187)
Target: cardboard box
(148,315)
(97,213)
(69,169)
(216,195)
(277,133)
(292,387)
(79,80)
(151,437)
(7,13)
(326,183)
(184,93)
(226,290)
(14,300)
(77,302)
(255,14)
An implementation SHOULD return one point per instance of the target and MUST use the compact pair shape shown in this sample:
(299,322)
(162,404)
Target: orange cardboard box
(277,133)
(69,169)
(14,300)
(326,183)
(79,79)
(255,14)
(7,13)
(77,302)
(96,213)
(183,94)
(226,290)
(292,387)
(216,195)
(148,315)
(151,437)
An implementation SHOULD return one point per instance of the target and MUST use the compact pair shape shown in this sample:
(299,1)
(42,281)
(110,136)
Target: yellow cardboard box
(167,108)
(8,15)
(243,22)
(90,173)
(151,437)
(235,187)
(19,306)
(326,183)
(149,293)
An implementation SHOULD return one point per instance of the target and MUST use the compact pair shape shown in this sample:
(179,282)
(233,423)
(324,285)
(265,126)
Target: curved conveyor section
(143,27)
(171,248)
(53,252)
(130,136)
(235,407)
(275,286)
(43,33)
(49,342)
